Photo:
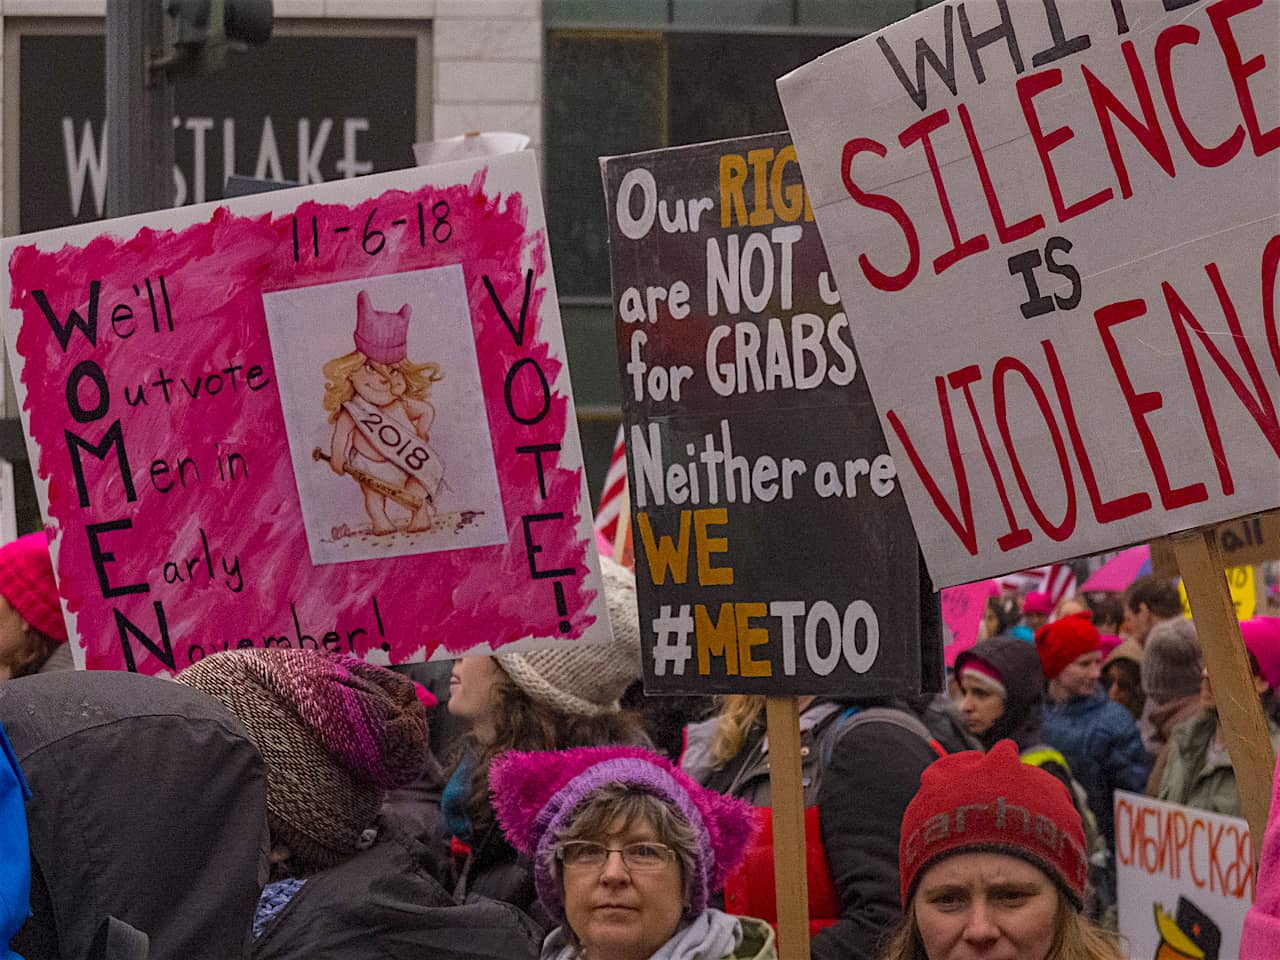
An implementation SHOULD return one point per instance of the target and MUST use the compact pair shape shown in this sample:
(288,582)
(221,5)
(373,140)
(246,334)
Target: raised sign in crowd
(941,616)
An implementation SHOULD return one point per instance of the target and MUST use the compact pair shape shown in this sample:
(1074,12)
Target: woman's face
(980,706)
(985,906)
(379,387)
(621,913)
(990,624)
(471,687)
(14,638)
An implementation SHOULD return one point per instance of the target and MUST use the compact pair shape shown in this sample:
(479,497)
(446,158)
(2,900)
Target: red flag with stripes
(614,508)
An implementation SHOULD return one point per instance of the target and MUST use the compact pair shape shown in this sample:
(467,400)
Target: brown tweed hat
(335,733)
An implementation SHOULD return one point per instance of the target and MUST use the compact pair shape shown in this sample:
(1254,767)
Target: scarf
(712,935)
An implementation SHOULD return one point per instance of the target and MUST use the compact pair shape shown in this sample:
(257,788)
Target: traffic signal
(198,33)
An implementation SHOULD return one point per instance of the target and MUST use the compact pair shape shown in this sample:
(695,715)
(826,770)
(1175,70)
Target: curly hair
(338,389)
(521,723)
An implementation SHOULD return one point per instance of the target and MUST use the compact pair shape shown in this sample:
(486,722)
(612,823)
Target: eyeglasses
(636,857)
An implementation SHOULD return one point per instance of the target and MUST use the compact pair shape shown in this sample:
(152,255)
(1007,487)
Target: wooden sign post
(1243,726)
(782,716)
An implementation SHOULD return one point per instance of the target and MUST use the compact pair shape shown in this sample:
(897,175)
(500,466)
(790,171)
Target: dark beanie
(335,732)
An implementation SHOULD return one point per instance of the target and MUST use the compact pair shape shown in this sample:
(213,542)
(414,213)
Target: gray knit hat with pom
(586,679)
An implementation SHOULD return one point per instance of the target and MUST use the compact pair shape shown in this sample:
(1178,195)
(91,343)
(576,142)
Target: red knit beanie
(974,802)
(26,581)
(1063,641)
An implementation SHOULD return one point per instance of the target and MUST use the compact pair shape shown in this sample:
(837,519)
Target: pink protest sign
(962,609)
(335,417)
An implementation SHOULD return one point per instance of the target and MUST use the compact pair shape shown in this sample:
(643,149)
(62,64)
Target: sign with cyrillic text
(774,551)
(1184,879)
(336,417)
(1055,226)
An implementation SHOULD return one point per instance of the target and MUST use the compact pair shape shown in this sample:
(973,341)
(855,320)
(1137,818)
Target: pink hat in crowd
(381,335)
(1262,639)
(537,795)
(1036,602)
(26,582)
(1108,642)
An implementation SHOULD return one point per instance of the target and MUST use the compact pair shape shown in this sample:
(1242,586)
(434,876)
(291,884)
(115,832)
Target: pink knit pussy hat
(536,796)
(1261,637)
(381,335)
(26,582)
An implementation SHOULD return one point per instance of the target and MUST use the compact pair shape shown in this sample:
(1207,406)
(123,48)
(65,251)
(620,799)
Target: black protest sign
(774,553)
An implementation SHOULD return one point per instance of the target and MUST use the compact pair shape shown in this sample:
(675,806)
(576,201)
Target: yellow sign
(1244,592)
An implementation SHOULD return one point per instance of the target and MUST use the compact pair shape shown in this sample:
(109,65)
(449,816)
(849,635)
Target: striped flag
(613,500)
(1058,580)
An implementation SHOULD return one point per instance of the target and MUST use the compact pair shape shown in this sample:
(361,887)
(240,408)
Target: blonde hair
(1074,938)
(338,372)
(738,714)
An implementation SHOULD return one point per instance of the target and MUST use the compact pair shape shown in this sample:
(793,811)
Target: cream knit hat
(586,679)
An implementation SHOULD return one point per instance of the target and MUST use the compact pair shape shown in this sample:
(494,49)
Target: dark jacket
(862,796)
(495,870)
(1102,744)
(149,803)
(384,904)
(1019,667)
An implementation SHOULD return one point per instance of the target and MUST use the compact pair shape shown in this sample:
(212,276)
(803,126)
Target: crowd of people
(284,803)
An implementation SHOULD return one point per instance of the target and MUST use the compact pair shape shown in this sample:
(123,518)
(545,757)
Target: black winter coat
(384,904)
(148,803)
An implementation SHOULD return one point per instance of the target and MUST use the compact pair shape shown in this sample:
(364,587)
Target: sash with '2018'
(397,441)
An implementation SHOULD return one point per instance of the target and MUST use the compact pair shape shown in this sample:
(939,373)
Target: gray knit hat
(586,679)
(1171,661)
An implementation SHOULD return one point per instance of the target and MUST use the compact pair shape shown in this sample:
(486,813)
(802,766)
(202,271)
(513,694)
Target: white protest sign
(1054,227)
(1184,879)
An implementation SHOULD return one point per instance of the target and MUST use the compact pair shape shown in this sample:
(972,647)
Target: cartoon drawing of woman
(376,400)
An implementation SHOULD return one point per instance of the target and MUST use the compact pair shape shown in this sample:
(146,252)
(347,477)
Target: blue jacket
(1102,744)
(15,856)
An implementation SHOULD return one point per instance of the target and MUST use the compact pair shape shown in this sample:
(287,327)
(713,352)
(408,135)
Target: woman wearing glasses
(626,850)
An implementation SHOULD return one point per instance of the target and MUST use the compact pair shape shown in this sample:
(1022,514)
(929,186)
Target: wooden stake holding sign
(1244,727)
(791,880)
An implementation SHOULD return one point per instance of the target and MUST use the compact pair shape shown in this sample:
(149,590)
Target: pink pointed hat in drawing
(381,336)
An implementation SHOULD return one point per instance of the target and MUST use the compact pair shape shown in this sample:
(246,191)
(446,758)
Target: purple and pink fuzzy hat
(536,795)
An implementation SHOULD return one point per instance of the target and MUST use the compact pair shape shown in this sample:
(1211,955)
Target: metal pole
(139,111)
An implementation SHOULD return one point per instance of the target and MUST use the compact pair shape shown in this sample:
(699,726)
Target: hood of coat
(1019,667)
(140,788)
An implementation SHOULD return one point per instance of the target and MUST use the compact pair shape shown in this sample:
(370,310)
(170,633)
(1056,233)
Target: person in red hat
(992,863)
(33,635)
(1098,737)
